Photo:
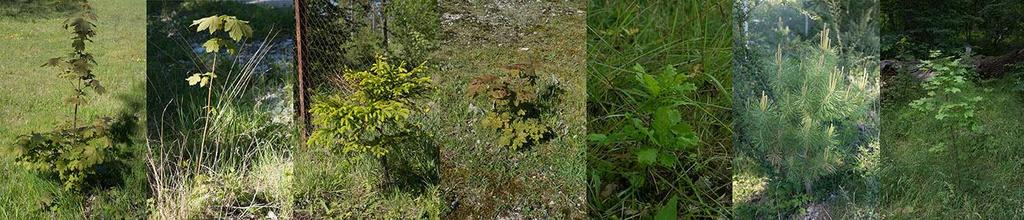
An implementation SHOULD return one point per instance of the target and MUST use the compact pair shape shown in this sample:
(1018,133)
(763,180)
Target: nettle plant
(375,117)
(218,26)
(656,129)
(944,91)
(518,104)
(72,152)
(799,130)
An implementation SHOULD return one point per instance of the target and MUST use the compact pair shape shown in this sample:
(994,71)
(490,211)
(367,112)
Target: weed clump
(518,104)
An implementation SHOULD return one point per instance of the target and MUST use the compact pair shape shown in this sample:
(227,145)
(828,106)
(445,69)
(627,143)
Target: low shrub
(518,105)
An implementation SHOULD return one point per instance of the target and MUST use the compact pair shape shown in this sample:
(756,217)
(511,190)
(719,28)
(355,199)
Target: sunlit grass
(33,96)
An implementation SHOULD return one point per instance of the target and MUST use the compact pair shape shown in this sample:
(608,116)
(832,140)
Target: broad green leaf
(194,79)
(647,156)
(650,83)
(212,23)
(686,141)
(669,211)
(237,29)
(667,159)
(664,118)
(213,45)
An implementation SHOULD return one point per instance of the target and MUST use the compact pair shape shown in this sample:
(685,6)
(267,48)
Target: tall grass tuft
(244,170)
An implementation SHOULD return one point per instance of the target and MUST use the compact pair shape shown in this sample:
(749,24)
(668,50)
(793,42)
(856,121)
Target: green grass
(484,181)
(695,37)
(32,99)
(982,182)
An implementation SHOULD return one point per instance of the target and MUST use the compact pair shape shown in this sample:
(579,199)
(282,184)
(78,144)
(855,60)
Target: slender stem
(78,100)
(206,118)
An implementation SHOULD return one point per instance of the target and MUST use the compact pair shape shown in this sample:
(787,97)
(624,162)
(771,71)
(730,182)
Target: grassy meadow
(33,96)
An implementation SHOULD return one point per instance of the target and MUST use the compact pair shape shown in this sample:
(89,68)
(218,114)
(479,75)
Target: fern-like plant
(72,152)
(518,104)
(374,118)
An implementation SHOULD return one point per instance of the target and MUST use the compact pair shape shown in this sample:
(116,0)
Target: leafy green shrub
(944,98)
(375,116)
(72,152)
(518,103)
(657,130)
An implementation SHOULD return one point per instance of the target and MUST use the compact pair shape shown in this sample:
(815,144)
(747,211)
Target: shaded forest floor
(983,180)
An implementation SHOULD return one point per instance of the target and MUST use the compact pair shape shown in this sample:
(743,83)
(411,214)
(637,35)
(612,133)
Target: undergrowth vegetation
(951,106)
(220,86)
(659,100)
(807,126)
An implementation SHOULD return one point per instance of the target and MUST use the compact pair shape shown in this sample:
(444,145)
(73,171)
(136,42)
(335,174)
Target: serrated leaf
(212,23)
(664,118)
(650,84)
(237,29)
(202,23)
(647,156)
(95,84)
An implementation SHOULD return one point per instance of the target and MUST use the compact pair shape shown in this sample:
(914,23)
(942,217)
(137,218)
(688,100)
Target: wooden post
(300,61)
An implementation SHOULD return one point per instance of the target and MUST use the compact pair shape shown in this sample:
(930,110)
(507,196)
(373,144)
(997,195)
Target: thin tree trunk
(384,22)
